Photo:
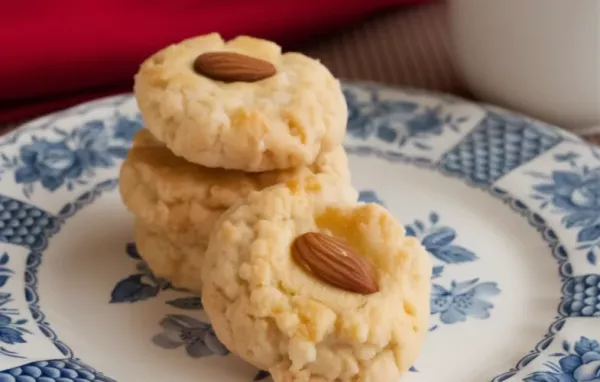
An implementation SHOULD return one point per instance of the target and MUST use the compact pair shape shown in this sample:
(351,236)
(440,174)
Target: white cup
(540,57)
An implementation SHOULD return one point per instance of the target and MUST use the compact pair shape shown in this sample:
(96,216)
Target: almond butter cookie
(180,201)
(241,104)
(306,284)
(167,259)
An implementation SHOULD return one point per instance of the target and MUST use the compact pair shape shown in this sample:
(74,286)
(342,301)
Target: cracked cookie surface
(283,121)
(180,201)
(169,260)
(268,310)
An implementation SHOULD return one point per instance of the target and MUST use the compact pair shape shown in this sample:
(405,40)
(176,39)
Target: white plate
(508,207)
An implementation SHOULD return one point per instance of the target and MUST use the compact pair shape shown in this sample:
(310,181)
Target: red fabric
(64,51)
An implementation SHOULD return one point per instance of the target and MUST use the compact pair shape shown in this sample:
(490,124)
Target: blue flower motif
(92,136)
(439,241)
(187,303)
(49,162)
(125,128)
(10,336)
(72,156)
(95,145)
(133,289)
(358,123)
(11,330)
(468,298)
(576,194)
(398,122)
(5,298)
(139,286)
(196,336)
(427,123)
(437,271)
(580,365)
(4,320)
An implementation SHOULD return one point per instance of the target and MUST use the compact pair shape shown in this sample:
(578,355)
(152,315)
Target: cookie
(181,201)
(282,121)
(302,283)
(167,259)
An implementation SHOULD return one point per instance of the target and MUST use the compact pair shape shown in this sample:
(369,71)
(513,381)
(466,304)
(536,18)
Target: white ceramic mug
(541,57)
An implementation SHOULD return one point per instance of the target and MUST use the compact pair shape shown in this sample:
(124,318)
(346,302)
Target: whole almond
(233,67)
(334,262)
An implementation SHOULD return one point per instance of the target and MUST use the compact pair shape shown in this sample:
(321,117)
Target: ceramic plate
(509,209)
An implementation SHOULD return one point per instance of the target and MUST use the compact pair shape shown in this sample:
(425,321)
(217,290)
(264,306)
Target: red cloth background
(61,52)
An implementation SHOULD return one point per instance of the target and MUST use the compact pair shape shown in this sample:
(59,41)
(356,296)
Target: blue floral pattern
(179,330)
(439,242)
(580,363)
(70,158)
(398,122)
(463,299)
(12,328)
(196,336)
(139,286)
(575,194)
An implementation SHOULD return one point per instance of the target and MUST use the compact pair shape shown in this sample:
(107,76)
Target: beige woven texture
(407,47)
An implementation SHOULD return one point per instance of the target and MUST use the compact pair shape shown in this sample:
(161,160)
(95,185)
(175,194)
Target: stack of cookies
(241,191)
(222,119)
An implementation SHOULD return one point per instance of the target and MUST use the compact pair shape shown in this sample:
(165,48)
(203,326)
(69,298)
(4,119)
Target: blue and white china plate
(508,207)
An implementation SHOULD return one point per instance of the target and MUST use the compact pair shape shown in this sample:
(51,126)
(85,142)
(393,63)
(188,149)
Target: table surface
(407,47)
